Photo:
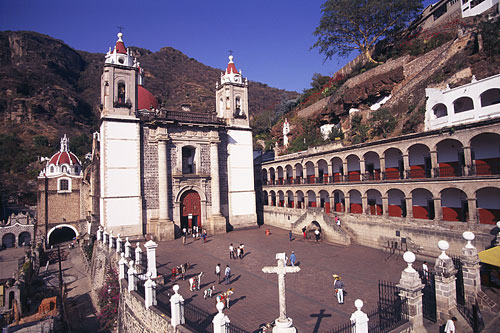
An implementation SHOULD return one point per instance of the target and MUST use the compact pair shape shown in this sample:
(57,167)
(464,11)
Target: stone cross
(359,318)
(132,284)
(111,239)
(104,236)
(177,308)
(99,233)
(149,291)
(138,253)
(121,264)
(281,270)
(220,320)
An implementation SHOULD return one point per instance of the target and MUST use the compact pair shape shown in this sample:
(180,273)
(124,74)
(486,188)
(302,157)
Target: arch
(324,200)
(419,157)
(422,204)
(355,202)
(353,168)
(265,198)
(454,205)
(490,97)
(9,240)
(396,203)
(374,200)
(24,238)
(393,164)
(61,233)
(488,205)
(299,173)
(300,199)
(272,176)
(337,169)
(281,199)
(51,169)
(322,171)
(450,158)
(310,173)
(463,104)
(188,160)
(311,199)
(440,110)
(121,92)
(372,165)
(264,176)
(338,201)
(273,198)
(187,188)
(280,175)
(289,199)
(289,174)
(485,152)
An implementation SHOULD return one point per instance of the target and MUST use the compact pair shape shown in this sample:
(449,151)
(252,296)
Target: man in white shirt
(450,325)
(227,274)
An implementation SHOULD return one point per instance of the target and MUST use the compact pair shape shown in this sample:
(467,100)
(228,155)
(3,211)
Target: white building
(476,7)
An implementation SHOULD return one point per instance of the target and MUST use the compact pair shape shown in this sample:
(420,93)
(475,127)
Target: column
(128,246)
(409,207)
(316,173)
(434,163)
(410,287)
(177,307)
(220,320)
(118,244)
(347,200)
(99,233)
(345,171)
(121,266)
(359,318)
(162,180)
(385,206)
(295,200)
(446,295)
(132,285)
(330,172)
(214,174)
(471,269)
(382,165)
(364,204)
(294,174)
(472,211)
(406,165)
(138,253)
(438,211)
(104,237)
(149,292)
(151,253)
(318,200)
(468,161)
(362,169)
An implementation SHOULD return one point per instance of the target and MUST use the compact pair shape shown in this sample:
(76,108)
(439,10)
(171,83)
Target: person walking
(450,325)
(425,271)
(217,272)
(227,274)
(204,235)
(231,251)
(242,246)
(290,235)
(339,288)
(304,232)
(293,259)
(316,234)
(238,252)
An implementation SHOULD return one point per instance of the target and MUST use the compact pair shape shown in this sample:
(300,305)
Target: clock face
(121,60)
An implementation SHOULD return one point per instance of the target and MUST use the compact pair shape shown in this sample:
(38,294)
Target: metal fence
(344,328)
(429,307)
(198,319)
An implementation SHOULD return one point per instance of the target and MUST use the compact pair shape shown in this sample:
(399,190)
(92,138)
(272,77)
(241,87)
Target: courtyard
(310,298)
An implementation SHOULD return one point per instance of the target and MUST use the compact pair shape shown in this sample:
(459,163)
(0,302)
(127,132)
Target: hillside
(48,89)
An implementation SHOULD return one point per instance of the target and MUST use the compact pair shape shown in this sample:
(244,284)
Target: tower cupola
(120,55)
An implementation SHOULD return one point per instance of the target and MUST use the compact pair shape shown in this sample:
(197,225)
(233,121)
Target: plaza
(310,299)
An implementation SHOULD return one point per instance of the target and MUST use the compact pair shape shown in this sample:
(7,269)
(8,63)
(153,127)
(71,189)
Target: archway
(422,204)
(190,209)
(485,151)
(338,201)
(8,240)
(393,164)
(61,234)
(450,157)
(355,202)
(374,202)
(396,203)
(420,161)
(488,205)
(24,238)
(454,205)
(324,200)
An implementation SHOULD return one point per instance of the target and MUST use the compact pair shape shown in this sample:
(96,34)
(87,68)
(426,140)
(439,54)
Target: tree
(349,25)
(382,122)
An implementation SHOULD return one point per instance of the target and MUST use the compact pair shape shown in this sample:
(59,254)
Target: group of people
(196,232)
(227,273)
(236,252)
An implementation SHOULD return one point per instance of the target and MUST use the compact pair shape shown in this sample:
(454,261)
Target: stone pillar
(438,210)
(217,221)
(470,268)
(104,237)
(330,171)
(468,161)
(359,318)
(316,172)
(347,200)
(128,246)
(138,253)
(99,233)
(364,204)
(410,287)
(162,180)
(382,164)
(446,295)
(177,307)
(132,284)
(385,206)
(118,244)
(362,169)
(295,200)
(497,241)
(111,239)
(345,169)
(318,200)
(151,253)
(406,165)
(121,265)
(220,320)
(409,207)
(472,211)
(149,291)
(434,163)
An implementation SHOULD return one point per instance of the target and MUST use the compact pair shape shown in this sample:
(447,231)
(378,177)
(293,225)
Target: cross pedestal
(283,323)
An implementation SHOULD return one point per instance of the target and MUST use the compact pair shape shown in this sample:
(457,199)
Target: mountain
(47,89)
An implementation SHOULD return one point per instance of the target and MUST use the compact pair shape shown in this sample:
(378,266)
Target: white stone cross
(281,270)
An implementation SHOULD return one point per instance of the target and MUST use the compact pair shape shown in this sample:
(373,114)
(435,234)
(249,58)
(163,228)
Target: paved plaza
(311,302)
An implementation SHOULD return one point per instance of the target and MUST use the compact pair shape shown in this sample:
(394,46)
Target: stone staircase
(329,230)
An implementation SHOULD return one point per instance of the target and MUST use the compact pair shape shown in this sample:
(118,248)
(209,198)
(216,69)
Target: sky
(270,39)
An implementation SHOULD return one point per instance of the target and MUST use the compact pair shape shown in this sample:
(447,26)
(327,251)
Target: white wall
(467,11)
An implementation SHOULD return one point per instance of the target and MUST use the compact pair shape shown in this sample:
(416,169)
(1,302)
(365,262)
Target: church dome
(64,157)
(145,99)
(63,162)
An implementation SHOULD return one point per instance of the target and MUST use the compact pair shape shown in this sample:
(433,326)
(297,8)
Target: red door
(191,207)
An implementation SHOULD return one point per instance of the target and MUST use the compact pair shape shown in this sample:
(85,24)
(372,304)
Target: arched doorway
(61,234)
(8,240)
(190,209)
(24,238)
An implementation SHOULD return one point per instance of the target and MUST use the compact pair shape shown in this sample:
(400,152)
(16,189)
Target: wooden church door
(191,209)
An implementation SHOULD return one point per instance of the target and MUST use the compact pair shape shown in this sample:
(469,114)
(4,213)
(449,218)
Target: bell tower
(232,105)
(120,167)
(232,97)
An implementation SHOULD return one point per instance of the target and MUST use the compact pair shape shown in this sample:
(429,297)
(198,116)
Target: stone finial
(473,79)
(409,257)
(359,318)
(219,306)
(359,303)
(468,236)
(443,246)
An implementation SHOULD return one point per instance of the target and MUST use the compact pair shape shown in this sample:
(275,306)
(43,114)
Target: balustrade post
(121,265)
(138,253)
(445,279)
(99,233)
(151,254)
(149,291)
(220,320)
(118,244)
(104,237)
(359,318)
(410,287)
(177,307)
(111,239)
(132,283)
(128,246)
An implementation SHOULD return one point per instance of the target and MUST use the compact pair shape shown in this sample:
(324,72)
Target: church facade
(165,170)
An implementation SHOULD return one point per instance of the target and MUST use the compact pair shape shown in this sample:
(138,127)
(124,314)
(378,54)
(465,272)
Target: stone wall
(149,177)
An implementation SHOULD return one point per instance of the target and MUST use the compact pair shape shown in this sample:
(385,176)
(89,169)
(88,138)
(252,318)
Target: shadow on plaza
(320,317)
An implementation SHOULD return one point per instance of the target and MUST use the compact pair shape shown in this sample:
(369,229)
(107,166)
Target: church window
(63,185)
(228,103)
(52,169)
(121,92)
(64,169)
(188,162)
(238,106)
